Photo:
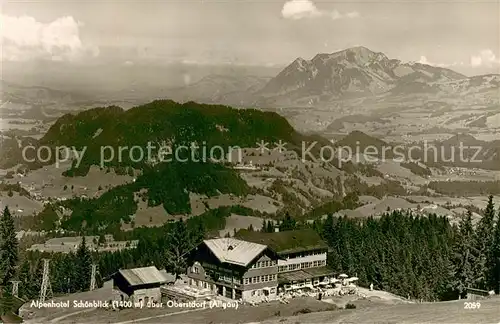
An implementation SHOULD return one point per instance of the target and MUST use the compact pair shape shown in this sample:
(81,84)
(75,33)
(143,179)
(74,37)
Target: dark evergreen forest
(423,258)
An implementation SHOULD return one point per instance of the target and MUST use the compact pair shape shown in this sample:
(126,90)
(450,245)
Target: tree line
(424,258)
(419,257)
(166,247)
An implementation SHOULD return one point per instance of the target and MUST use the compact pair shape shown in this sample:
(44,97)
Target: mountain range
(356,72)
(353,73)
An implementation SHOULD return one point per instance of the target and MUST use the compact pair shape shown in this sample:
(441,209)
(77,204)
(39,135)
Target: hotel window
(245,281)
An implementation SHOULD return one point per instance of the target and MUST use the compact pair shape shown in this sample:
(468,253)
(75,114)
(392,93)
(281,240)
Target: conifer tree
(25,286)
(464,255)
(270,227)
(288,224)
(483,241)
(494,271)
(83,266)
(6,301)
(178,246)
(8,248)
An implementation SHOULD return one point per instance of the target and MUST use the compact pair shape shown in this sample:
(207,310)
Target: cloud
(299,9)
(424,60)
(353,14)
(485,58)
(24,38)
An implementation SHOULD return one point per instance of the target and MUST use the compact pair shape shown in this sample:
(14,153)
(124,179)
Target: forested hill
(160,123)
(165,121)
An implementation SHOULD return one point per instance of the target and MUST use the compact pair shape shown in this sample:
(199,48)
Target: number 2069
(472,305)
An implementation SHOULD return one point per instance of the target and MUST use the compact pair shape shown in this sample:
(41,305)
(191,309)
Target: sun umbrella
(352,279)
(343,275)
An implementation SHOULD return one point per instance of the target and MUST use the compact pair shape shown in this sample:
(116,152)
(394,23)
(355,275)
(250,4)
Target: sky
(461,35)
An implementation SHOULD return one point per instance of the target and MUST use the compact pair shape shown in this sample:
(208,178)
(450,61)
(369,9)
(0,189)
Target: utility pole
(92,277)
(46,287)
(15,288)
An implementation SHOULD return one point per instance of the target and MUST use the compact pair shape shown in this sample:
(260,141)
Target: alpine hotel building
(260,264)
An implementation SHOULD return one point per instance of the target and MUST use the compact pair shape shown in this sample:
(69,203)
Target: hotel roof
(287,241)
(143,276)
(230,250)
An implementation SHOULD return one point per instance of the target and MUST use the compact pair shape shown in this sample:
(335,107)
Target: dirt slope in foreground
(440,312)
